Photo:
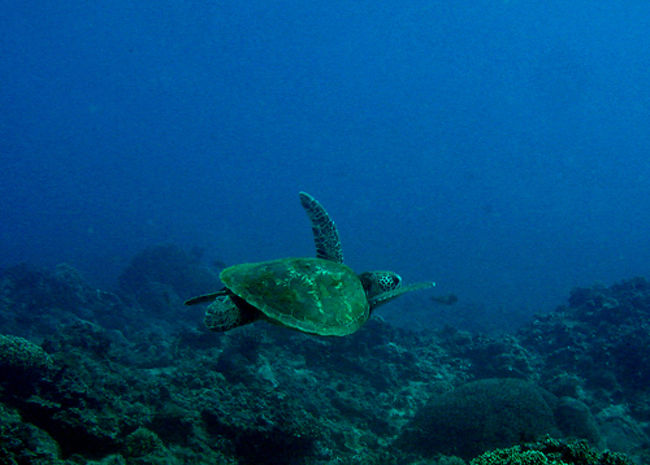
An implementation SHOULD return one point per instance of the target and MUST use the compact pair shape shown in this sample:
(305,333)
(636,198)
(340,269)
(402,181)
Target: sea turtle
(314,295)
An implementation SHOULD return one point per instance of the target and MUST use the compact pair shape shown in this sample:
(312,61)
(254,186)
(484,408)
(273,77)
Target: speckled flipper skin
(326,236)
(228,311)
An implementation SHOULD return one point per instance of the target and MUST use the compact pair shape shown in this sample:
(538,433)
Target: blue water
(499,148)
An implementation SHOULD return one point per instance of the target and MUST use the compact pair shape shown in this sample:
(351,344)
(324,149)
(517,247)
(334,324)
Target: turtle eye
(390,281)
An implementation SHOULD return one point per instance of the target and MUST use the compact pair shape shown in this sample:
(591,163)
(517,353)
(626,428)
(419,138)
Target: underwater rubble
(132,377)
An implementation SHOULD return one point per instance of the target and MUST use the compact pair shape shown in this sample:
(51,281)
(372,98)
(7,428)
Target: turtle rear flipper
(326,235)
(228,311)
(205,298)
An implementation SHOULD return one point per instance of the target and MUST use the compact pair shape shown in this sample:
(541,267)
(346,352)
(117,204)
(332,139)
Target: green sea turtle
(314,295)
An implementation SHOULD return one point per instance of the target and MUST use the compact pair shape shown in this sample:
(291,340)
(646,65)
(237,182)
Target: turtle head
(384,286)
(378,282)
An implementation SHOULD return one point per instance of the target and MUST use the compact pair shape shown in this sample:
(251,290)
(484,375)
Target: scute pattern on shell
(308,294)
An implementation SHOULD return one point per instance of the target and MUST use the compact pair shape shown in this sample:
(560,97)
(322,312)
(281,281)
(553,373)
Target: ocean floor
(130,376)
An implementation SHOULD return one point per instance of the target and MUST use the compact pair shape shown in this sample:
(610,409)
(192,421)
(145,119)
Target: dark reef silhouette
(131,377)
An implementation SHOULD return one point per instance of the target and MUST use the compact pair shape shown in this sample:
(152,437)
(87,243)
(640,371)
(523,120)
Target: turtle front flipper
(326,235)
(385,297)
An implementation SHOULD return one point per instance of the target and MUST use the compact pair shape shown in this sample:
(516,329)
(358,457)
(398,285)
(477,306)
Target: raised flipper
(326,236)
(205,298)
(390,295)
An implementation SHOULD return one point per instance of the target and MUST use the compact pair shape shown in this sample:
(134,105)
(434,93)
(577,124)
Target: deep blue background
(500,148)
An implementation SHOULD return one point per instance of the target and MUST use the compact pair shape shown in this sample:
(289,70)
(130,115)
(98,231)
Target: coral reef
(34,303)
(90,376)
(595,349)
(478,416)
(161,277)
(23,360)
(550,452)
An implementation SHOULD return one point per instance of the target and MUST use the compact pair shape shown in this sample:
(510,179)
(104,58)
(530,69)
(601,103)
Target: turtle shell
(312,295)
